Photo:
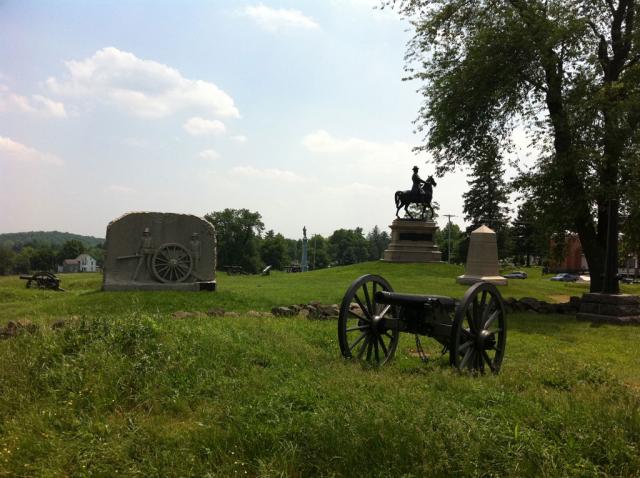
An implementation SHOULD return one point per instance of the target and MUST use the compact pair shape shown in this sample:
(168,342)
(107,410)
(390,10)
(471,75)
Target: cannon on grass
(473,330)
(42,280)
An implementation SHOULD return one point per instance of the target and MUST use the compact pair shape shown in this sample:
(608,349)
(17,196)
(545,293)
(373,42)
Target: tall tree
(378,242)
(348,246)
(70,249)
(7,258)
(273,250)
(319,256)
(567,69)
(529,235)
(237,234)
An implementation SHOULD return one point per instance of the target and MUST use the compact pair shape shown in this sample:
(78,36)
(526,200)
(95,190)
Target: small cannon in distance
(473,330)
(42,280)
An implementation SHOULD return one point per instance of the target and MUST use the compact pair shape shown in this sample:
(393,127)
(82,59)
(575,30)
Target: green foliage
(348,246)
(457,236)
(7,259)
(52,238)
(530,238)
(319,257)
(273,250)
(71,249)
(124,389)
(378,243)
(238,232)
(566,70)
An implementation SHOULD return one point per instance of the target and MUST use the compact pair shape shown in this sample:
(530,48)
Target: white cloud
(197,126)
(239,138)
(268,174)
(11,149)
(38,104)
(144,88)
(322,142)
(364,156)
(208,154)
(274,19)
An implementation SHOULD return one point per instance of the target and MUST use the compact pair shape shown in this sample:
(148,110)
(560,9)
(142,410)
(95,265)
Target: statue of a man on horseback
(421,193)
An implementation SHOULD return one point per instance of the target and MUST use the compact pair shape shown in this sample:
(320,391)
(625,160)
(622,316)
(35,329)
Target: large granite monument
(160,251)
(482,259)
(412,238)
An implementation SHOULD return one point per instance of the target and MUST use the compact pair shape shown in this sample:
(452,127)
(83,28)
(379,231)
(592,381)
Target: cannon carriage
(42,280)
(472,330)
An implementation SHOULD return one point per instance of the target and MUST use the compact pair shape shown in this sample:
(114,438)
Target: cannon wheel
(479,332)
(171,262)
(361,329)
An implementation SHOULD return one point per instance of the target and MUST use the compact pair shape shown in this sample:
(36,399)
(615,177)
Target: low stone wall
(541,307)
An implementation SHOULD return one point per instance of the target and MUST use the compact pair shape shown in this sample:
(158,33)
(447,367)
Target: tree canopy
(568,70)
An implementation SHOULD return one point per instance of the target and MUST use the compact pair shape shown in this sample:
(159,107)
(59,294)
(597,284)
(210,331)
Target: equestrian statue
(421,193)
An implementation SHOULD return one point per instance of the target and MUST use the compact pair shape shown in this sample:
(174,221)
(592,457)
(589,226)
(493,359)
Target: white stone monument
(482,259)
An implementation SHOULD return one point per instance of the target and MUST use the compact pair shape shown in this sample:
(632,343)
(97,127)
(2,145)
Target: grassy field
(126,390)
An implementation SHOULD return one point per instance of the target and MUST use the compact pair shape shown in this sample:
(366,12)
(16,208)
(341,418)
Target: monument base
(610,308)
(468,279)
(176,286)
(412,241)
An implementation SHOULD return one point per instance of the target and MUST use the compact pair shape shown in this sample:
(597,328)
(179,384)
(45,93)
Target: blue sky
(294,109)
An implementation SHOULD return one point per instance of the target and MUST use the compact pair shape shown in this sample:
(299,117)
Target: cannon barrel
(413,300)
(23,277)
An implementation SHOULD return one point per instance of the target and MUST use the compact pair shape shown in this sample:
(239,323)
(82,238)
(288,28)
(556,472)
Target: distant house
(82,263)
(69,265)
(87,263)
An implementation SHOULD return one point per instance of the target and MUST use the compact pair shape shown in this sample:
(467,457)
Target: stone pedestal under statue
(610,308)
(482,259)
(412,241)
(160,251)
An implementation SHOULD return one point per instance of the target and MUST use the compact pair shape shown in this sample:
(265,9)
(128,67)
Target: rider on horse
(416,189)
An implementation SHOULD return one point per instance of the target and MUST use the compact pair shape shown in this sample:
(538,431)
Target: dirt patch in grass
(559,298)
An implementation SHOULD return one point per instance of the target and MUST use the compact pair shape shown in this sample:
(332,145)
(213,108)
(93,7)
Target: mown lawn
(125,389)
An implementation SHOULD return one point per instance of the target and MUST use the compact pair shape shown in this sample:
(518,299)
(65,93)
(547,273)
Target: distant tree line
(242,241)
(26,253)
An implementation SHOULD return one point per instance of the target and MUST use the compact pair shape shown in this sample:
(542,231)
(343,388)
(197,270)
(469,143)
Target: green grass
(124,389)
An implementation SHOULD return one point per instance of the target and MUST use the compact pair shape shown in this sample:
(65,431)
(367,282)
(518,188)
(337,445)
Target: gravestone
(482,259)
(160,251)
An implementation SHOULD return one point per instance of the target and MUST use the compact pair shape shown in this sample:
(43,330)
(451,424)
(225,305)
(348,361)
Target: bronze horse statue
(405,198)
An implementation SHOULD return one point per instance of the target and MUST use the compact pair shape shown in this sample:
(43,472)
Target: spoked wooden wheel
(479,332)
(171,263)
(366,329)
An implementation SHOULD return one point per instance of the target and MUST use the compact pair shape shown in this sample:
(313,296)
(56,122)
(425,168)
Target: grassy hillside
(53,238)
(125,389)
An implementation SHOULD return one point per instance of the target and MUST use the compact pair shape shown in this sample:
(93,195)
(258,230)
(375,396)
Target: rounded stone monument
(482,259)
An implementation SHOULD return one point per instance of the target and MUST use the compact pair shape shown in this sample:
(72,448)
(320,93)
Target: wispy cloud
(268,174)
(41,105)
(143,88)
(276,19)
(239,138)
(209,154)
(197,126)
(12,150)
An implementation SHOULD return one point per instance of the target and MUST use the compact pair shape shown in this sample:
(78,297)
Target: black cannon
(473,330)
(42,280)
